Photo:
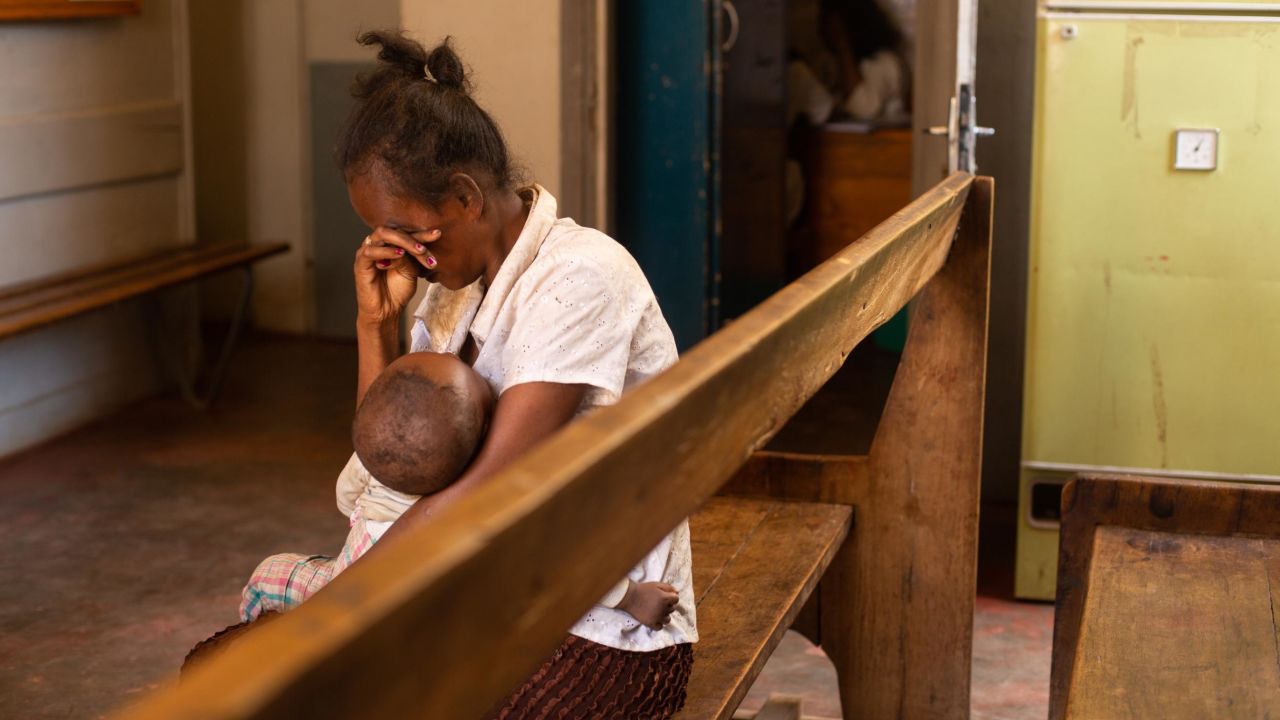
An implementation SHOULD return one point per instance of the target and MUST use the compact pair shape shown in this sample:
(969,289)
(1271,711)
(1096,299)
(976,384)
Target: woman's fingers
(384,256)
(415,244)
(382,247)
(380,257)
(382,252)
(385,277)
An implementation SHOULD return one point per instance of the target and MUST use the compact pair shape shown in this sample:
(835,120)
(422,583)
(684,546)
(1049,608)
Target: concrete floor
(128,541)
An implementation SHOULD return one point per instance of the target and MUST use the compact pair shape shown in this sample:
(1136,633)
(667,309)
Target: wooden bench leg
(897,602)
(186,373)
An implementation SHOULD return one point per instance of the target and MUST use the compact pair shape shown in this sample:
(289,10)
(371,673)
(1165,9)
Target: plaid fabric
(283,581)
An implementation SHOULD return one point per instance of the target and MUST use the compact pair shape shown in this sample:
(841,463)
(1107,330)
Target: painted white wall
(251,158)
(278,173)
(54,379)
(332,27)
(250,64)
(513,50)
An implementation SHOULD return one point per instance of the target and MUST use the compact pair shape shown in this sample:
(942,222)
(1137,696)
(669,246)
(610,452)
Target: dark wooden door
(666,64)
(753,153)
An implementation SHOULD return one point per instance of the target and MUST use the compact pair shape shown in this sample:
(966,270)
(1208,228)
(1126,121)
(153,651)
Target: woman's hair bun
(398,53)
(415,116)
(406,56)
(446,67)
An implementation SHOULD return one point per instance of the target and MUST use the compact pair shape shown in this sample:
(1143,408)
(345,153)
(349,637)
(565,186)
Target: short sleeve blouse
(570,305)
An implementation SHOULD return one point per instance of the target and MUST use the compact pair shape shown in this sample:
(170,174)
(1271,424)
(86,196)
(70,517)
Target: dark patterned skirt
(221,640)
(584,680)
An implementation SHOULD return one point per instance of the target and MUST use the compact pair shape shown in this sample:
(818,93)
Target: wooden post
(897,603)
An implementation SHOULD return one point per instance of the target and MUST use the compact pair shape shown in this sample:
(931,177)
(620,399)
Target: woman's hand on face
(386,272)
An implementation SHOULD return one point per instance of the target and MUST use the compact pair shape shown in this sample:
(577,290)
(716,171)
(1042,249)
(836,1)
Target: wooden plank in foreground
(465,607)
(1177,627)
(1167,600)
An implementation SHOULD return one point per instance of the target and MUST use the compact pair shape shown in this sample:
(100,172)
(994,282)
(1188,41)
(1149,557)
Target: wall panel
(92,130)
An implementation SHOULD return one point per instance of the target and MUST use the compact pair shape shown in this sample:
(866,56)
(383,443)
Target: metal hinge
(962,131)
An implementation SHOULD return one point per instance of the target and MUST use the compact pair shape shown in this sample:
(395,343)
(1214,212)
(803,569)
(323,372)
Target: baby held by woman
(419,425)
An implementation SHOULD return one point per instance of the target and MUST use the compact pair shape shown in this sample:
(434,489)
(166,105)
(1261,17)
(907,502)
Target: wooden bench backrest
(455,614)
(36,303)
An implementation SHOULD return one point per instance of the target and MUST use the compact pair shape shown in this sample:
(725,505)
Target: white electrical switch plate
(1196,150)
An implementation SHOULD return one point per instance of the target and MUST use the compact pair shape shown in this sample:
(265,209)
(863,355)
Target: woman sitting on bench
(557,318)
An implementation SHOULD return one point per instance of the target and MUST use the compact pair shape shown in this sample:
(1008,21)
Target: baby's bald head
(421,421)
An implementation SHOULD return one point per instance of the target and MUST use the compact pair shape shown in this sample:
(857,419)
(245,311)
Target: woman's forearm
(421,511)
(525,416)
(379,344)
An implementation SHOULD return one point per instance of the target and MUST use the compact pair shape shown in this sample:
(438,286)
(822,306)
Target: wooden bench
(1168,600)
(754,564)
(36,303)
(464,608)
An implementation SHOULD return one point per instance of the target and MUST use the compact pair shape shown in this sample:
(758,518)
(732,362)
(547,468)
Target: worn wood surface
(807,478)
(595,497)
(1166,600)
(754,563)
(39,302)
(897,603)
(800,476)
(1177,626)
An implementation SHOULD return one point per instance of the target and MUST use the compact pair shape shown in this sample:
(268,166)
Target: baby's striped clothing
(283,581)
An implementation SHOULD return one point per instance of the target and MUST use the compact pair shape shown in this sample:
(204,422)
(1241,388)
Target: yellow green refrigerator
(1153,338)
